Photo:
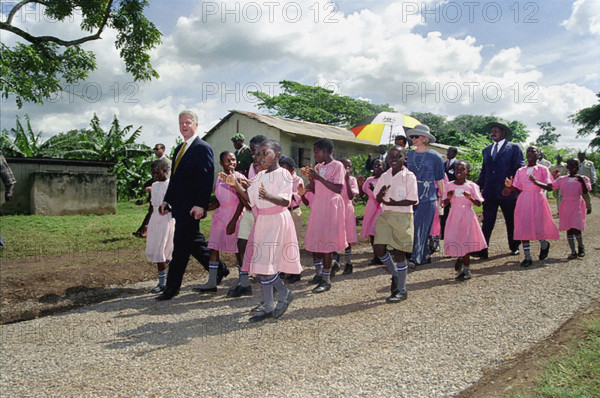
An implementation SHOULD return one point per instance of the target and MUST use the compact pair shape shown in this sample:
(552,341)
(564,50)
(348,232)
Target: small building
(296,137)
(61,187)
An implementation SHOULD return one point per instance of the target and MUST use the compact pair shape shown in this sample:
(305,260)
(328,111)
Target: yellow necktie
(179,156)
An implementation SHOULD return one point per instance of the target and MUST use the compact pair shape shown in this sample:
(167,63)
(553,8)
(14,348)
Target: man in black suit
(501,160)
(449,166)
(187,197)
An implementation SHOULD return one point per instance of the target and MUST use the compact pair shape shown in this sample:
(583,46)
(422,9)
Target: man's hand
(197,212)
(8,194)
(164,208)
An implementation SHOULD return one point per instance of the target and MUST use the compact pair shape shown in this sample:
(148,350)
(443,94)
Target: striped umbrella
(382,128)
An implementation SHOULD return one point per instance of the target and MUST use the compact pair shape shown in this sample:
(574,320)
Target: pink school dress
(372,209)
(228,202)
(326,231)
(350,217)
(533,218)
(463,234)
(572,207)
(273,245)
(159,242)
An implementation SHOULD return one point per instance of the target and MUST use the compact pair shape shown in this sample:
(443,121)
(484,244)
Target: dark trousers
(490,210)
(443,219)
(187,241)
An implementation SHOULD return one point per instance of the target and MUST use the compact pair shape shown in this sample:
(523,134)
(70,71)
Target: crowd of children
(258,217)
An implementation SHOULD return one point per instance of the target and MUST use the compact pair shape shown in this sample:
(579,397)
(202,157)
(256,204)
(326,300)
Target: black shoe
(515,252)
(335,267)
(581,251)
(239,291)
(572,256)
(397,297)
(544,252)
(282,275)
(464,276)
(280,311)
(261,316)
(375,261)
(158,289)
(526,263)
(205,290)
(482,254)
(293,278)
(458,264)
(336,256)
(168,294)
(223,272)
(137,234)
(589,211)
(316,279)
(347,270)
(323,287)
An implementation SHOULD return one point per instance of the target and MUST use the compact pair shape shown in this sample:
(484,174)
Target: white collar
(191,139)
(500,144)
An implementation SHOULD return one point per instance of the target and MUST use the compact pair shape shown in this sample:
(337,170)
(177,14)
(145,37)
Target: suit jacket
(494,171)
(450,171)
(192,183)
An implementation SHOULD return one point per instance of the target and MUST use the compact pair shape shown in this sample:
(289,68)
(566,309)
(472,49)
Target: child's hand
(555,173)
(508,182)
(382,192)
(301,190)
(532,178)
(262,192)
(231,227)
(450,195)
(305,171)
(446,201)
(228,179)
(506,191)
(467,195)
(372,186)
(312,174)
(360,180)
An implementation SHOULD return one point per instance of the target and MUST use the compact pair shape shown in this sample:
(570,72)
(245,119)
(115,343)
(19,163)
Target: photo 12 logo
(270,11)
(469,92)
(471,11)
(238,92)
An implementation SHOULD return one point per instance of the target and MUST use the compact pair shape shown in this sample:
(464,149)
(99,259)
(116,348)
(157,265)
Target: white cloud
(585,17)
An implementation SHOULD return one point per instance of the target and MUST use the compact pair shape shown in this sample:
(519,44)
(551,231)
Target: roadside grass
(576,374)
(35,235)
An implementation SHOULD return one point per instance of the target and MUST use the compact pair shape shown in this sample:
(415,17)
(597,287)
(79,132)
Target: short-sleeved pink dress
(273,245)
(372,209)
(533,218)
(572,210)
(462,234)
(326,230)
(228,202)
(159,242)
(350,217)
(436,226)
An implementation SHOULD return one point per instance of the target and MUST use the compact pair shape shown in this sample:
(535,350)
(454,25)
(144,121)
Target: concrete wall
(62,186)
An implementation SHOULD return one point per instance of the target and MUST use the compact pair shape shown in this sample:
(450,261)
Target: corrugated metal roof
(298,127)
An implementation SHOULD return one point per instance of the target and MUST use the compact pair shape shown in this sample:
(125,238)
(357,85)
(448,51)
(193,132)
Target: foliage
(317,104)
(26,143)
(548,136)
(359,165)
(589,120)
(34,71)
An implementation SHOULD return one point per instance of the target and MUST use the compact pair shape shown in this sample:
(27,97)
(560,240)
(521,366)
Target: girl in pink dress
(533,218)
(572,207)
(349,191)
(159,241)
(436,225)
(372,208)
(326,231)
(462,233)
(225,222)
(273,246)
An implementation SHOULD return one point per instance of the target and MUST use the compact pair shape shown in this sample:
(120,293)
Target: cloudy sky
(531,61)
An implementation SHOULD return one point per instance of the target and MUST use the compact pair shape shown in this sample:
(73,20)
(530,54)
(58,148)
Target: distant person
(349,191)
(159,152)
(562,171)
(372,208)
(159,241)
(401,141)
(382,150)
(587,168)
(573,211)
(543,161)
(8,178)
(533,218)
(294,208)
(501,160)
(242,154)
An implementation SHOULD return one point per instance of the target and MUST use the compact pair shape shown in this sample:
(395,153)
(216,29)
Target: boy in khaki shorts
(397,192)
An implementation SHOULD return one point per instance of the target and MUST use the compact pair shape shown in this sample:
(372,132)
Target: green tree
(317,104)
(22,141)
(548,136)
(589,120)
(34,71)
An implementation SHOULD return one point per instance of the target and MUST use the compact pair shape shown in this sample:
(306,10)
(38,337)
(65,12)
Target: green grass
(577,374)
(36,235)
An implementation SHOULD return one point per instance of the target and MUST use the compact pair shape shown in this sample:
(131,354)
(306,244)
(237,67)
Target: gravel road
(346,342)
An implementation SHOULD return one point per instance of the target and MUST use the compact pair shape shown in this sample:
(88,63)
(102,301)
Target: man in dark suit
(501,160)
(187,197)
